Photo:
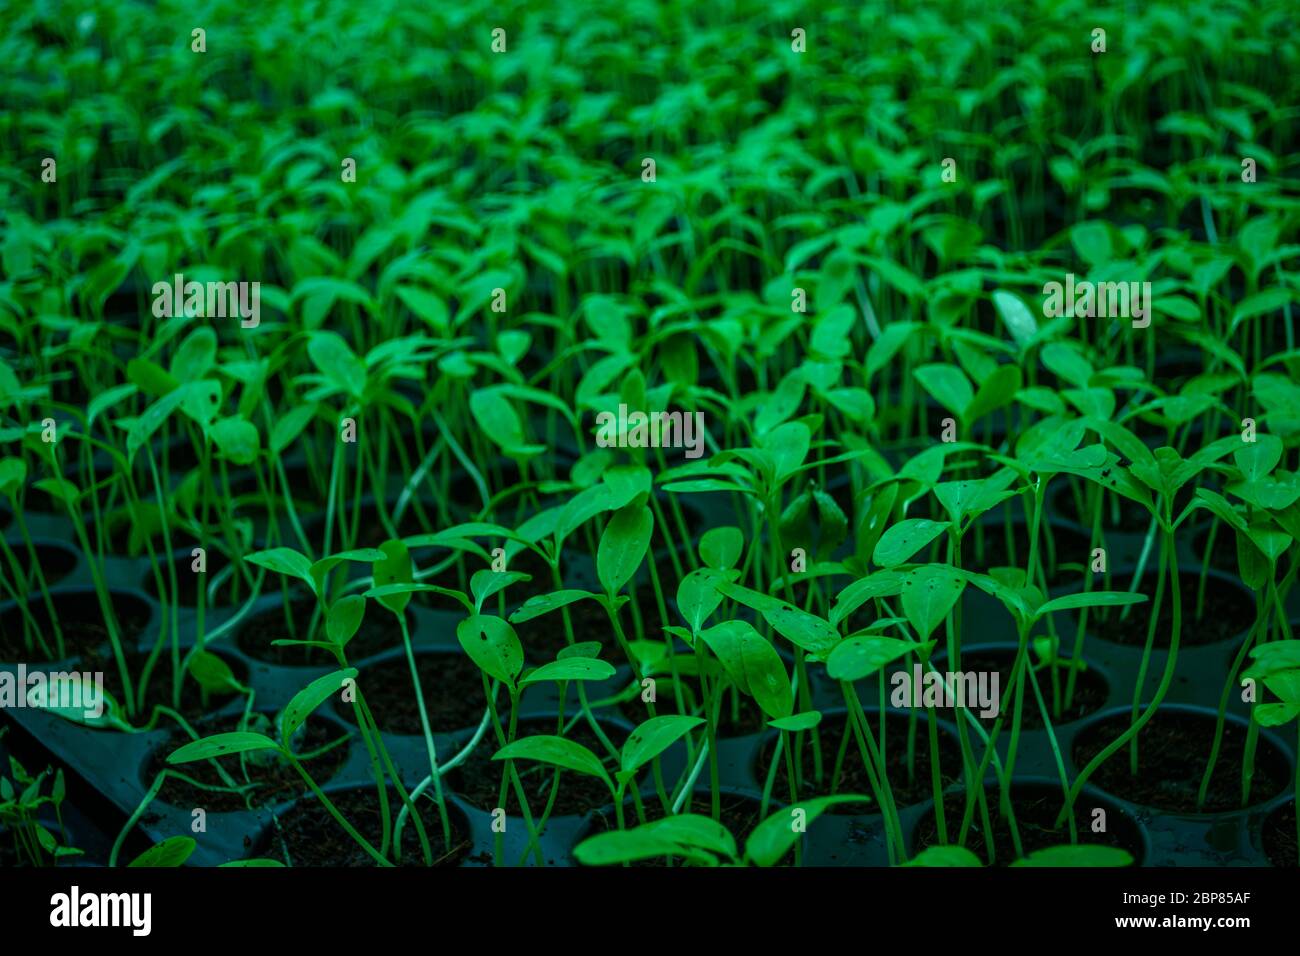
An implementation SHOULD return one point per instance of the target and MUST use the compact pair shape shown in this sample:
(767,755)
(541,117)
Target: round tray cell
(1173,754)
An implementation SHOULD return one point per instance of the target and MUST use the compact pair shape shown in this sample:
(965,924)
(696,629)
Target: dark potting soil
(80,619)
(1035,807)
(379,631)
(1279,836)
(478,779)
(453,694)
(853,774)
(312,837)
(1173,752)
(276,780)
(1090,690)
(739,716)
(738,812)
(1229,610)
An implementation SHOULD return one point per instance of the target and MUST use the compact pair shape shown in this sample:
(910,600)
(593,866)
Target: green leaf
(211,672)
(1086,854)
(60,489)
(1181,308)
(944,856)
(570,668)
(393,568)
(343,619)
(906,538)
(1091,241)
(1273,657)
(774,837)
(806,720)
(948,386)
(1090,599)
(879,584)
(195,356)
(1275,715)
(1220,506)
(892,338)
(726,641)
(1261,303)
(653,737)
(558,752)
(721,548)
(289,425)
(173,851)
(305,702)
(151,378)
(748,596)
(968,499)
(545,603)
(486,582)
(689,836)
(765,674)
(802,629)
(201,402)
(696,832)
(337,362)
(256,862)
(781,403)
(13,472)
(623,546)
(221,745)
(997,390)
(77,704)
(697,597)
(929,593)
(580,509)
(1285,685)
(857,657)
(1068,363)
(236,440)
(1015,315)
(1257,459)
(492,645)
(788,445)
(320,569)
(498,420)
(426,306)
(285,561)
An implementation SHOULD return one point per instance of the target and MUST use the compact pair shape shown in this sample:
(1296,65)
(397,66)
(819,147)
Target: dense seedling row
(650,434)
